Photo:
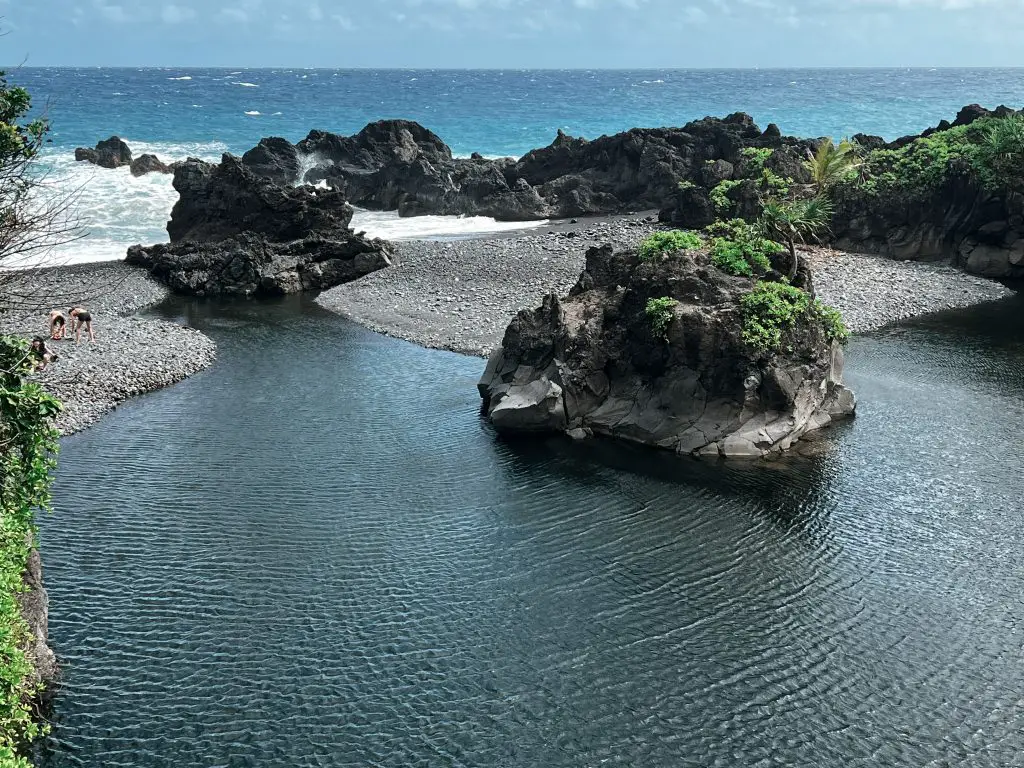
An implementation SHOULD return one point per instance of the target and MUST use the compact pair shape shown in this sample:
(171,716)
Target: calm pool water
(317,554)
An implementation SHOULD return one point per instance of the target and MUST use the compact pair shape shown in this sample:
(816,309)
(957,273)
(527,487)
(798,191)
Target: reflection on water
(317,553)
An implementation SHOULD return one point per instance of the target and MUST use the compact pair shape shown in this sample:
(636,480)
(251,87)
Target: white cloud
(314,12)
(176,14)
(236,15)
(114,13)
(345,22)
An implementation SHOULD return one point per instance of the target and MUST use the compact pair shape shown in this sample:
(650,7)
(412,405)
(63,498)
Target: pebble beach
(131,354)
(461,295)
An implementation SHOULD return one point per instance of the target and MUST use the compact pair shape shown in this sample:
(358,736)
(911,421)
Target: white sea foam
(119,210)
(186,77)
(253,113)
(246,85)
(115,208)
(388,225)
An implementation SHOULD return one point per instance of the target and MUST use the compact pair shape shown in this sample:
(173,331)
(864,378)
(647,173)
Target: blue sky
(513,33)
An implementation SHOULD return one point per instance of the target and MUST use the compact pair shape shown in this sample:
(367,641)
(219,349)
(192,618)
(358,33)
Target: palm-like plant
(796,221)
(832,162)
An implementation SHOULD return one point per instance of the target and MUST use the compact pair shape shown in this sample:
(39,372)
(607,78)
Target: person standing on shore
(79,317)
(58,325)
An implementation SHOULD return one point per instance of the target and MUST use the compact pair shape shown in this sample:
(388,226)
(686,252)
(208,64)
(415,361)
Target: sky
(512,33)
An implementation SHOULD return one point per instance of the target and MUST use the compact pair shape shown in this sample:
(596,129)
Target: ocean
(176,113)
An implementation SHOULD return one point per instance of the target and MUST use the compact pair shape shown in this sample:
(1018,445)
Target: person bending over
(58,325)
(41,354)
(80,317)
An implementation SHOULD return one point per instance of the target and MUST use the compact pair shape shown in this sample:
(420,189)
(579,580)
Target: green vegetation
(686,184)
(28,444)
(832,163)
(720,195)
(992,148)
(665,242)
(757,156)
(793,221)
(738,248)
(659,314)
(771,309)
(28,441)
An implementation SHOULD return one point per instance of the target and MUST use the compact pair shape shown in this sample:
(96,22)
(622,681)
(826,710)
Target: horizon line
(15,68)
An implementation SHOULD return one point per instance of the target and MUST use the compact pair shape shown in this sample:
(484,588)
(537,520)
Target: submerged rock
(594,363)
(109,153)
(236,233)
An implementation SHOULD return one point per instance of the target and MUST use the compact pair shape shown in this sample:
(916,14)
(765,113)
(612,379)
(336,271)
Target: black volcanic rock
(234,233)
(276,159)
(251,266)
(144,164)
(219,201)
(591,363)
(109,153)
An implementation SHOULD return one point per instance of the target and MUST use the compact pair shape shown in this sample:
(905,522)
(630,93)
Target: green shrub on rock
(737,248)
(770,309)
(665,242)
(719,196)
(659,313)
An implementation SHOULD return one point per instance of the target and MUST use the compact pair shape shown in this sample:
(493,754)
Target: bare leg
(78,332)
(92,336)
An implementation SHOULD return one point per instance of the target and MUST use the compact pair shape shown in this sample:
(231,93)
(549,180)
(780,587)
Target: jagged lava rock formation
(591,364)
(109,153)
(235,233)
(400,165)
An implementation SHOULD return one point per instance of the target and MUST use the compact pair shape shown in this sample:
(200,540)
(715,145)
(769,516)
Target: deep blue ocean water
(204,112)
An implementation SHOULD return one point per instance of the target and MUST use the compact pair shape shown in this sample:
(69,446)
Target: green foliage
(659,314)
(28,446)
(738,248)
(771,309)
(999,153)
(991,147)
(665,242)
(686,184)
(796,221)
(20,140)
(757,156)
(720,195)
(772,184)
(832,163)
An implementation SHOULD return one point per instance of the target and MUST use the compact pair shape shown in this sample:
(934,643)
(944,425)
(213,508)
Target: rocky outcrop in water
(400,165)
(110,153)
(593,363)
(144,164)
(958,219)
(235,233)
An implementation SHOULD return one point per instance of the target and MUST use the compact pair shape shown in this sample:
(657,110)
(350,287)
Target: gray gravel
(461,295)
(131,355)
(872,291)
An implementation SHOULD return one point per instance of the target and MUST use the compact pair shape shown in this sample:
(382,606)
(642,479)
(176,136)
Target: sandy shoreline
(461,295)
(131,354)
